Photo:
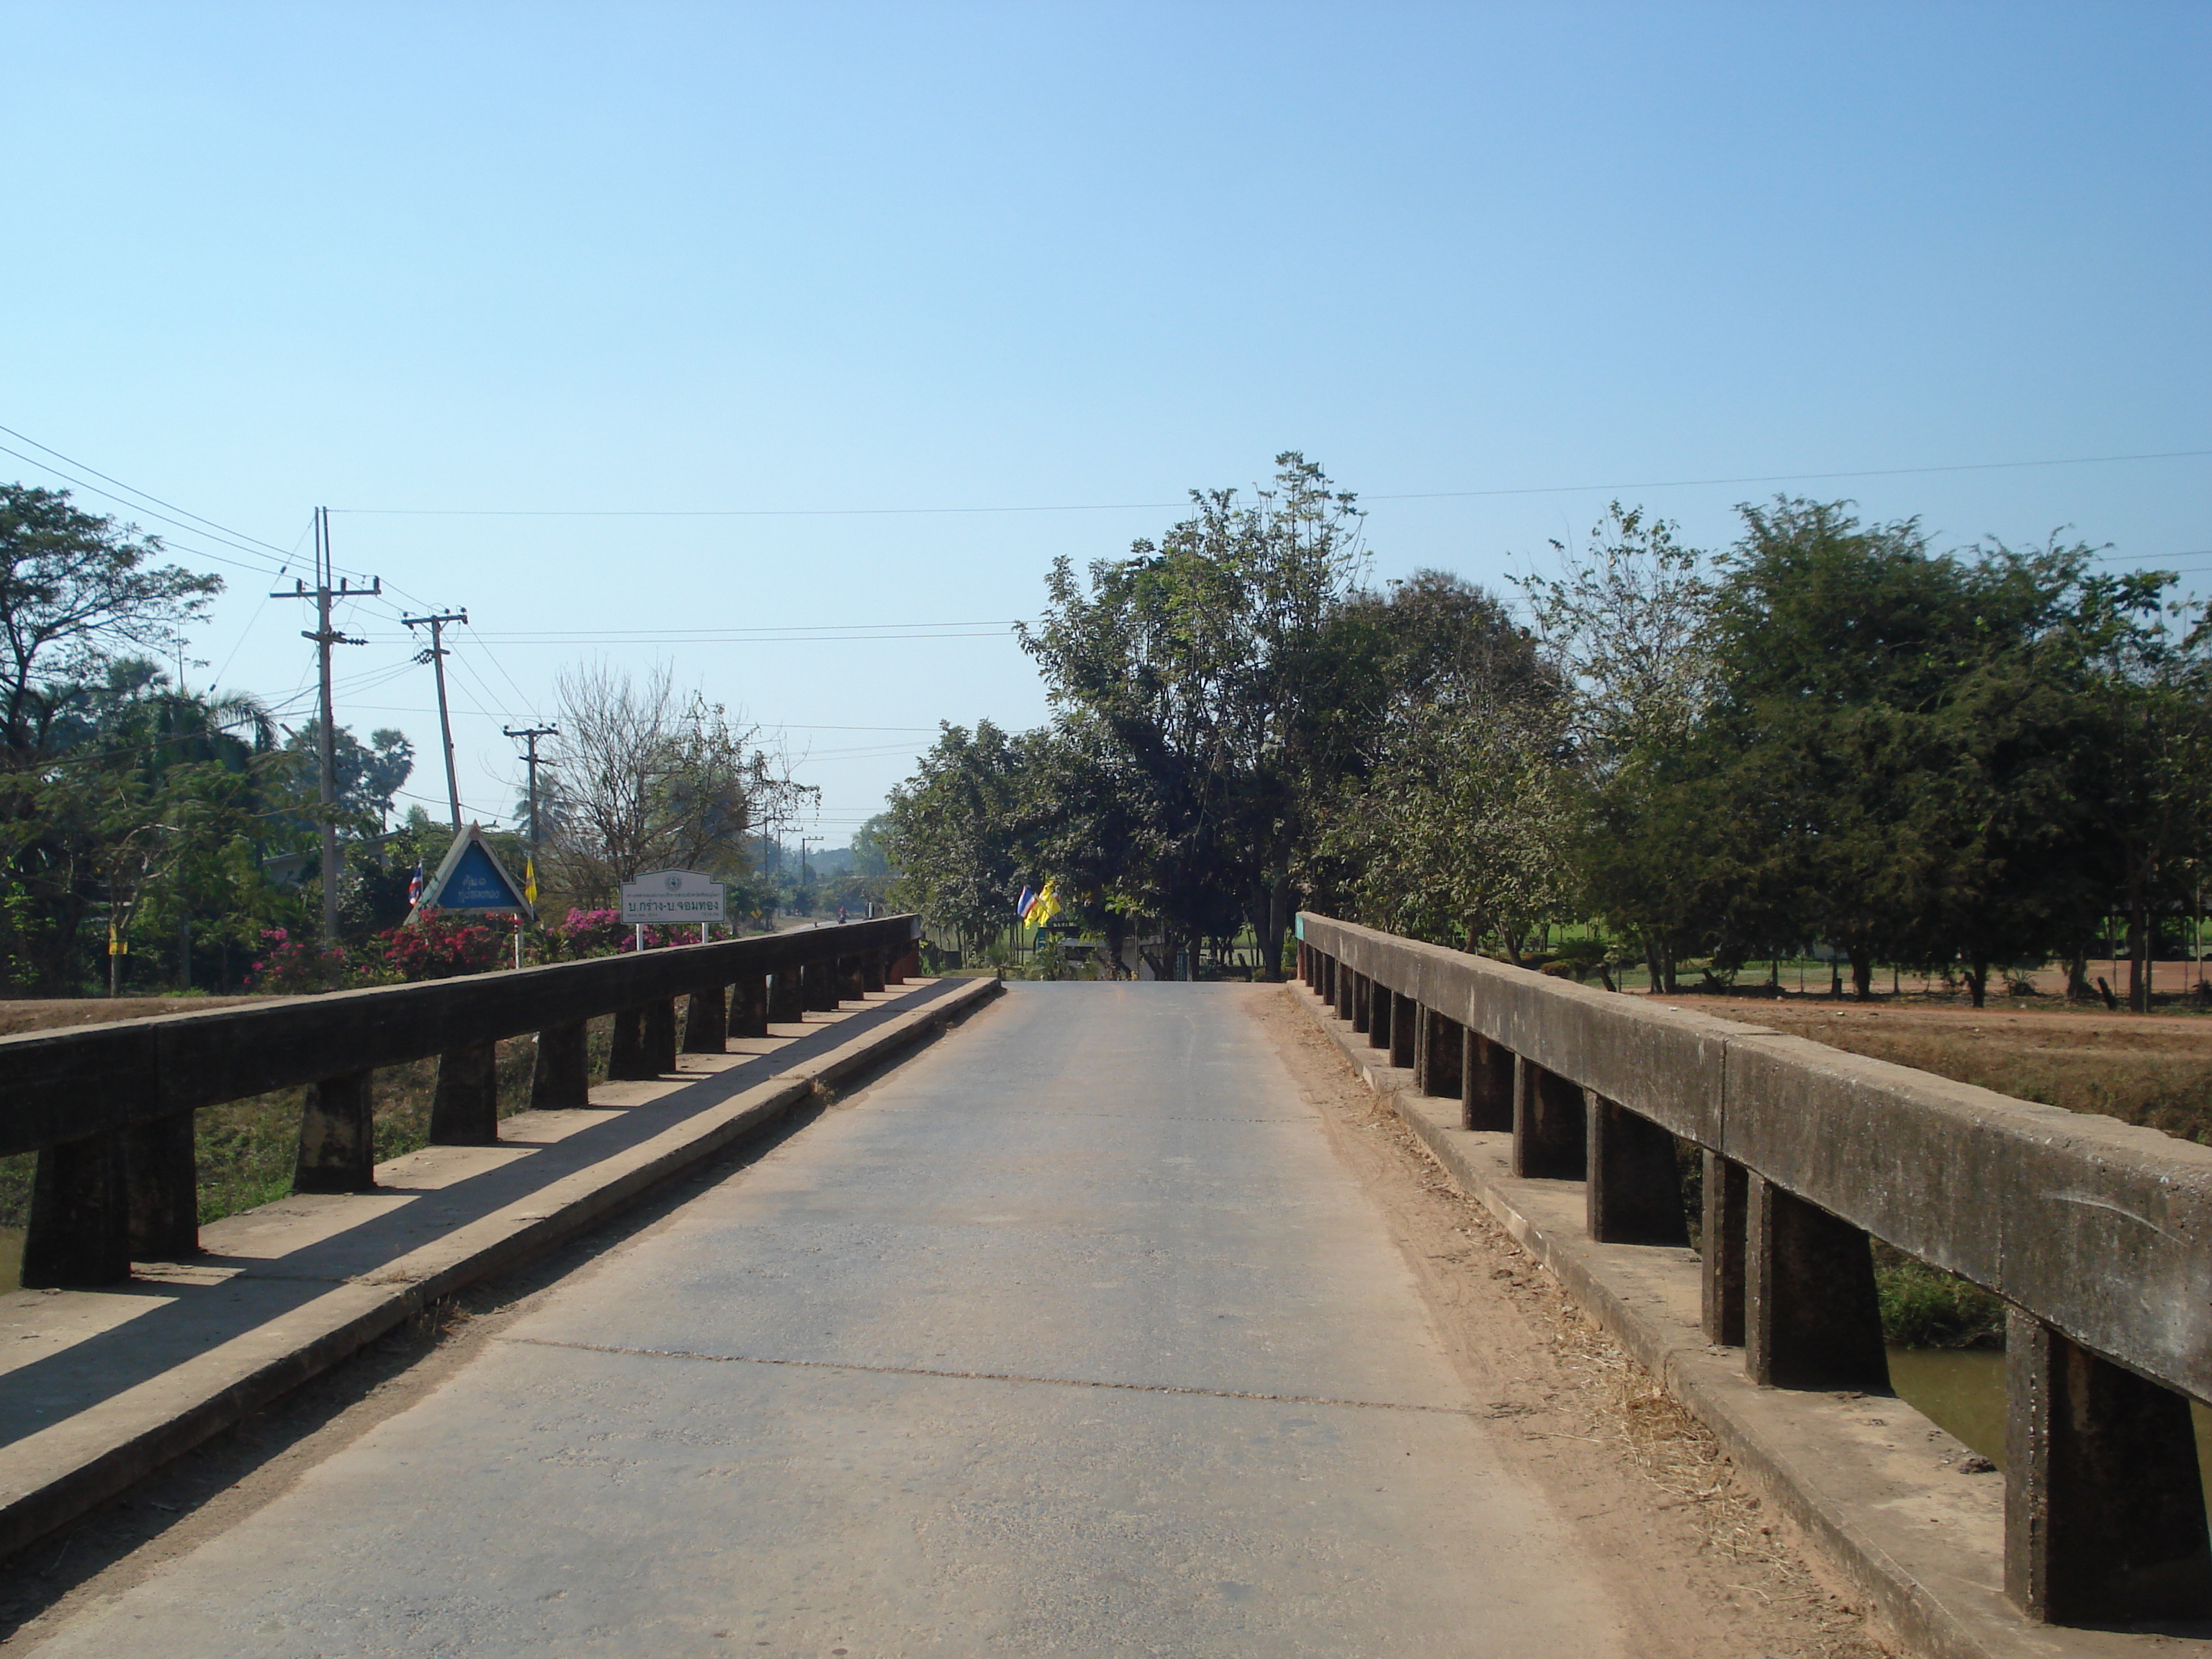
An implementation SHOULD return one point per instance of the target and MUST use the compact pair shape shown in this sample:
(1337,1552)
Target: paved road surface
(1070,1336)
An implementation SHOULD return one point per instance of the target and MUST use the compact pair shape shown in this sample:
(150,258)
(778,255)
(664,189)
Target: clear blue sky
(660,257)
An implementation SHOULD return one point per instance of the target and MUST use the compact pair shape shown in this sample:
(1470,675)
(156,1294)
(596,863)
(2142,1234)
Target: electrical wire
(1149,507)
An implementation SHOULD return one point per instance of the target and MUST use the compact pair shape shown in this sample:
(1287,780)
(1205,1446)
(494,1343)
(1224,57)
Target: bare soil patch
(1694,1555)
(57,1013)
(2149,1069)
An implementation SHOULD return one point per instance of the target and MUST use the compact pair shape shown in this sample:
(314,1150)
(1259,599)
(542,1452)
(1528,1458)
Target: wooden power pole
(325,637)
(435,656)
(529,734)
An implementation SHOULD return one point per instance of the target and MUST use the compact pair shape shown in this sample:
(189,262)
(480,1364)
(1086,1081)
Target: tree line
(1827,734)
(157,837)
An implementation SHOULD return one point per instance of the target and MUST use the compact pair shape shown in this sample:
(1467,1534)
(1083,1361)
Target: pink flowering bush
(294,967)
(604,933)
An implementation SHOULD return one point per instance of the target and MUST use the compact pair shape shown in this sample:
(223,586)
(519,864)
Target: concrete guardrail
(2097,1236)
(109,1108)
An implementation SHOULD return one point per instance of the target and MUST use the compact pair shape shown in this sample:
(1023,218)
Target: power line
(1150,506)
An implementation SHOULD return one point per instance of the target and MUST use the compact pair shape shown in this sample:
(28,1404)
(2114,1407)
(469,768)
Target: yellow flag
(530,880)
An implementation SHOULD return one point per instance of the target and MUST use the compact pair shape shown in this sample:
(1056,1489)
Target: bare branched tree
(644,777)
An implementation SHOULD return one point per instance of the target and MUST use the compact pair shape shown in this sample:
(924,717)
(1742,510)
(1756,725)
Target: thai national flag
(415,886)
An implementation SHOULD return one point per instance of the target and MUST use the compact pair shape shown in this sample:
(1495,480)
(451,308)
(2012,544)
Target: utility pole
(529,734)
(325,637)
(435,656)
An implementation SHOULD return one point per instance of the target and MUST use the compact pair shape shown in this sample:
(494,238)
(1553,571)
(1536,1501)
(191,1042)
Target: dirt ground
(1687,1547)
(58,1014)
(2153,1069)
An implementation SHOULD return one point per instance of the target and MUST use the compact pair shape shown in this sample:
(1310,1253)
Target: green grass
(1924,1307)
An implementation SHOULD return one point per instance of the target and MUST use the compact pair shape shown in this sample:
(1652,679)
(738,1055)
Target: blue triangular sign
(471,878)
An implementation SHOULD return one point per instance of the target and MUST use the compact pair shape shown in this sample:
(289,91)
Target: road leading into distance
(1071,1335)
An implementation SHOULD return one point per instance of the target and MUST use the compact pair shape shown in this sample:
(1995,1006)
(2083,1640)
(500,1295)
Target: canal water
(1962,1390)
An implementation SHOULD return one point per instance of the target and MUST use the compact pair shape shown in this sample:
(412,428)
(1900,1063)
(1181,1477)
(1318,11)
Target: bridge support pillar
(465,1110)
(2103,1504)
(337,1137)
(1720,1235)
(1486,1082)
(80,1230)
(1405,1029)
(627,1059)
(1548,1125)
(161,1181)
(1440,1049)
(660,1035)
(786,1002)
(1811,1319)
(1635,1193)
(561,1077)
(748,1007)
(707,1022)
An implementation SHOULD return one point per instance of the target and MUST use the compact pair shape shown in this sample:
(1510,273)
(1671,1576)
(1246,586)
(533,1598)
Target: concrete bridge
(1106,1324)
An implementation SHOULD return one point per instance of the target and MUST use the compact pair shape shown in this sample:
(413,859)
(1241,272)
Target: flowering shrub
(436,946)
(294,967)
(604,933)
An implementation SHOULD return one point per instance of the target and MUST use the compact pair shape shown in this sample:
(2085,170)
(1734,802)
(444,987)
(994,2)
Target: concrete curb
(1881,1496)
(49,1477)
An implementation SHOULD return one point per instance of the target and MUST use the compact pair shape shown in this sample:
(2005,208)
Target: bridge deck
(1069,1335)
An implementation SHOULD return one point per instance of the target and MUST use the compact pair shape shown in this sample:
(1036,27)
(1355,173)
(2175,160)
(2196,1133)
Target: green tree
(1203,657)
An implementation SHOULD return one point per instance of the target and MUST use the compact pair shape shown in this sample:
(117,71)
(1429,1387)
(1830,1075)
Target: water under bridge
(858,1313)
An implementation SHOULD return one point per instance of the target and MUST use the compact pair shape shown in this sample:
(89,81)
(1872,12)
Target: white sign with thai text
(672,895)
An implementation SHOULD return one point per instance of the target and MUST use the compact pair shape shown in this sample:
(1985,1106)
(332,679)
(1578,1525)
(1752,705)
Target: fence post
(465,1110)
(160,1179)
(1720,1235)
(2103,1502)
(707,1023)
(1811,1317)
(1635,1193)
(80,1231)
(748,1007)
(1548,1125)
(337,1137)
(561,1076)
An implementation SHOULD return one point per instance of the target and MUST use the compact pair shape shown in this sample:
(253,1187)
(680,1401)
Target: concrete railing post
(873,976)
(1486,1084)
(1342,982)
(850,975)
(660,1035)
(1811,1317)
(749,1006)
(561,1076)
(337,1137)
(464,1109)
(1635,1193)
(1548,1125)
(707,1022)
(1443,1050)
(1382,1001)
(1721,1234)
(1404,1023)
(161,1178)
(1362,1001)
(80,1230)
(786,1002)
(2104,1501)
(628,1061)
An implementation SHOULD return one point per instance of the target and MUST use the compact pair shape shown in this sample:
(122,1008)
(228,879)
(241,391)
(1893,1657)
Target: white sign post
(667,896)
